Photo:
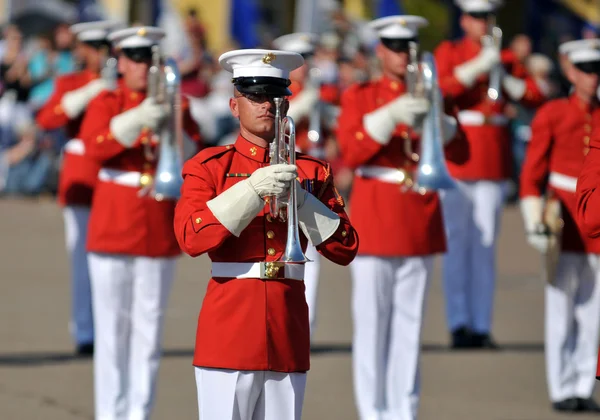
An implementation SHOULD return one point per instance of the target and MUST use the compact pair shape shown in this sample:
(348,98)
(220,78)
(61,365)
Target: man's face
(474,24)
(135,74)
(256,113)
(91,56)
(392,62)
(585,83)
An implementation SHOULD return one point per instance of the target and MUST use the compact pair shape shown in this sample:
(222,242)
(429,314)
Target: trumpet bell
(168,180)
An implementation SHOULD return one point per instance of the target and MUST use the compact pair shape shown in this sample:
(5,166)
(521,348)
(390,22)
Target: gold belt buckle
(270,270)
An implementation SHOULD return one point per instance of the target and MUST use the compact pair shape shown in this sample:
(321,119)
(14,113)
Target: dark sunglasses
(590,67)
(398,44)
(481,15)
(257,98)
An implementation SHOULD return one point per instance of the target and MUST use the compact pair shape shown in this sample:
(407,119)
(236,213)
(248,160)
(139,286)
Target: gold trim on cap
(268,58)
(142,32)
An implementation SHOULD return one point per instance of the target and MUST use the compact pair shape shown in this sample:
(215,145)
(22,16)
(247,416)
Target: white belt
(128,179)
(563,182)
(258,270)
(382,173)
(75,147)
(468,117)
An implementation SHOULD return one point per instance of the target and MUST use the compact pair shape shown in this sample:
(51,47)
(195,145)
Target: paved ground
(40,380)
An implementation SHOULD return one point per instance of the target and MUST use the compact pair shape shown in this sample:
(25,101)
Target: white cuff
(467,73)
(514,87)
(532,208)
(73,103)
(301,106)
(316,220)
(236,207)
(380,125)
(126,127)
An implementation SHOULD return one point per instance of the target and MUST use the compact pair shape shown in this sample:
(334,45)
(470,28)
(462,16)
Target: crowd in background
(30,157)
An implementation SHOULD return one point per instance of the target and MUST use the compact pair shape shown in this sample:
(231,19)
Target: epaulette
(209,153)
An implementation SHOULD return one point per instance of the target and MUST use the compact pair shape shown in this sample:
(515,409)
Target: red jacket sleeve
(444,61)
(356,146)
(537,159)
(196,228)
(588,193)
(52,116)
(342,246)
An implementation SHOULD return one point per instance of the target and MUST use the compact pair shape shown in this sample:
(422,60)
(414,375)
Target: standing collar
(582,105)
(251,150)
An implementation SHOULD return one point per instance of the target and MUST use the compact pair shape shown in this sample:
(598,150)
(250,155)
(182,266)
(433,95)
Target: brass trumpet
(283,151)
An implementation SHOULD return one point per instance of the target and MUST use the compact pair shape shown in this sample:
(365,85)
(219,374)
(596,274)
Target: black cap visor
(398,44)
(98,44)
(592,67)
(139,54)
(272,86)
(480,15)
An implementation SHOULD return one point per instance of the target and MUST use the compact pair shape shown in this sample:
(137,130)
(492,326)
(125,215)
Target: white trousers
(82,321)
(472,219)
(311,283)
(388,299)
(249,395)
(129,299)
(572,322)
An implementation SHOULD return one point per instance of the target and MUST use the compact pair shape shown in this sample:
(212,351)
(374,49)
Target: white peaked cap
(260,63)
(474,6)
(394,27)
(95,31)
(136,37)
(582,50)
(298,42)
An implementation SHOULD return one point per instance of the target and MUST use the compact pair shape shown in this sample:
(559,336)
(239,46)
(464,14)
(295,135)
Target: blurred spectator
(590,31)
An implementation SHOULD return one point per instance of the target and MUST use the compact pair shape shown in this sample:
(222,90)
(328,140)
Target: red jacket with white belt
(78,172)
(252,323)
(560,139)
(483,121)
(391,222)
(122,221)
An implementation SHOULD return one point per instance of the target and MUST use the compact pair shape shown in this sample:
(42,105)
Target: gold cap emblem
(141,32)
(268,58)
(402,22)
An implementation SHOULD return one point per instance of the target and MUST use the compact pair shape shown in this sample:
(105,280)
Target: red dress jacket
(560,138)
(483,121)
(391,222)
(252,324)
(78,173)
(122,221)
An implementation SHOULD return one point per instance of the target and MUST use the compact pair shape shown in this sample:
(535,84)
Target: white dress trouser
(388,300)
(311,282)
(82,321)
(572,322)
(249,395)
(472,219)
(129,299)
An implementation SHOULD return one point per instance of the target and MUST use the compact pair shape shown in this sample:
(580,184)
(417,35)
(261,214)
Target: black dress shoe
(461,338)
(483,341)
(85,350)
(569,405)
(588,405)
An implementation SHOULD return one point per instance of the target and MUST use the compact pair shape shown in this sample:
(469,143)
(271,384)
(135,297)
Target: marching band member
(306,94)
(252,344)
(560,139)
(472,212)
(78,174)
(378,132)
(131,244)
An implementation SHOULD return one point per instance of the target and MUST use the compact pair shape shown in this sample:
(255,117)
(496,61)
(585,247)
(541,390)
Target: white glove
(467,73)
(303,103)
(449,127)
(532,208)
(406,109)
(514,87)
(126,127)
(315,219)
(237,206)
(75,101)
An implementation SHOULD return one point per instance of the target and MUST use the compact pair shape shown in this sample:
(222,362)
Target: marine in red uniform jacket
(122,221)
(252,324)
(482,120)
(79,172)
(560,140)
(407,223)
